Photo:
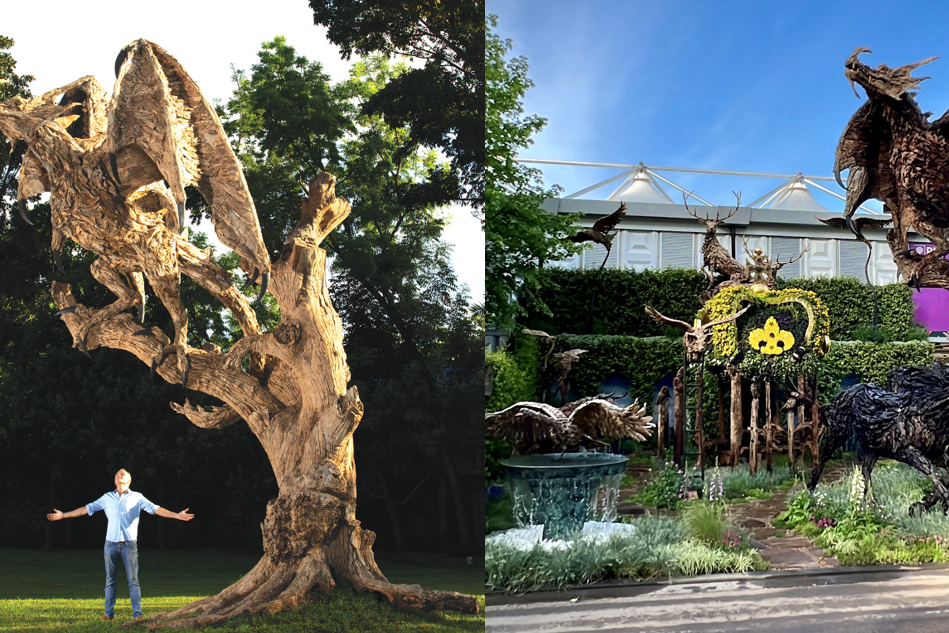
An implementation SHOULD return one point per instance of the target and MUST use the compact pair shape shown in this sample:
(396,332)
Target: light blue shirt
(122,513)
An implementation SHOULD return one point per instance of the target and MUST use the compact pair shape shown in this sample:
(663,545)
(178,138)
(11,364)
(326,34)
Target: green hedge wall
(850,304)
(611,302)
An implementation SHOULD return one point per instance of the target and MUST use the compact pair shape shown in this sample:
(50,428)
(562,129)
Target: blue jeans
(128,553)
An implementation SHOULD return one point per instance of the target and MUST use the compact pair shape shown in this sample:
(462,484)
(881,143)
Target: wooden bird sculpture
(603,231)
(534,427)
(105,164)
(563,362)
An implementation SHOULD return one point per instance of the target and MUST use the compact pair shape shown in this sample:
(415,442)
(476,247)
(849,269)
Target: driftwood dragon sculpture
(908,422)
(896,155)
(105,163)
(109,159)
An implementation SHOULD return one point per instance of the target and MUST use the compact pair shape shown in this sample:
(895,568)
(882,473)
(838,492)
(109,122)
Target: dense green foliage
(870,362)
(441,104)
(519,236)
(861,530)
(660,547)
(850,304)
(611,302)
(668,483)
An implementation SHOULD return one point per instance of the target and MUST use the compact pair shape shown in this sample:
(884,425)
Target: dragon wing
(865,142)
(158,109)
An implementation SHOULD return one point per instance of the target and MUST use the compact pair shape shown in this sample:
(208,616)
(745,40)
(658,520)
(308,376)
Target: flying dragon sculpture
(896,155)
(116,170)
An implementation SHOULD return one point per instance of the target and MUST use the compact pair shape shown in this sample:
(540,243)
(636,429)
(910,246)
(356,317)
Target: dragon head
(79,107)
(882,80)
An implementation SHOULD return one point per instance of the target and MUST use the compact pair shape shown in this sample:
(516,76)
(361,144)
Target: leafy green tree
(406,321)
(519,236)
(442,103)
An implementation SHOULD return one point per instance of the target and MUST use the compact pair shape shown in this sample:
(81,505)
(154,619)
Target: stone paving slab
(788,558)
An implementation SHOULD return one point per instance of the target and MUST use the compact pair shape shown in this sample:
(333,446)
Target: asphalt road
(873,602)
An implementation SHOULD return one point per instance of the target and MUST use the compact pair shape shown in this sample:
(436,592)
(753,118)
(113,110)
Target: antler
(706,219)
(777,264)
(705,326)
(664,319)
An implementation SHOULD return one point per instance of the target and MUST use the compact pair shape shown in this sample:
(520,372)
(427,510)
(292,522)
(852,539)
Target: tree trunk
(678,388)
(297,404)
(753,443)
(737,424)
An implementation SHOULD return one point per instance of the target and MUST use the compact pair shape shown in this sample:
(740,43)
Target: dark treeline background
(413,337)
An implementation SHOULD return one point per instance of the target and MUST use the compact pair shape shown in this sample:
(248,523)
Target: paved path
(871,601)
(782,548)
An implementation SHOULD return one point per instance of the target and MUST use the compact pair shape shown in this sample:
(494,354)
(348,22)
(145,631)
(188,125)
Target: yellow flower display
(771,339)
(729,300)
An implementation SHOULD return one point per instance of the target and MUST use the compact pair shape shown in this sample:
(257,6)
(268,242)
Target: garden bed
(730,528)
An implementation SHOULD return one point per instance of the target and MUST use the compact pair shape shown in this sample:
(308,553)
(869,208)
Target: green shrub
(598,302)
(660,547)
(665,489)
(706,521)
(739,483)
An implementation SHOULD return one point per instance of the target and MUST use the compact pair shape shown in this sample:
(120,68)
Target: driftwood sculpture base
(299,408)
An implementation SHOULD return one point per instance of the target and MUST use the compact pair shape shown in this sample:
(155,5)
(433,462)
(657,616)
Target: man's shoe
(107,618)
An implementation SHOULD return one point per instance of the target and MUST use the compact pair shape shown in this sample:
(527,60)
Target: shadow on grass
(62,591)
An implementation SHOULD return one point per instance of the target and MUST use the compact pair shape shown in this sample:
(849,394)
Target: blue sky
(737,86)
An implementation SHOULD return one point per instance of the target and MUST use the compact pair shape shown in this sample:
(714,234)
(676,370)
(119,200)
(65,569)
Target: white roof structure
(645,184)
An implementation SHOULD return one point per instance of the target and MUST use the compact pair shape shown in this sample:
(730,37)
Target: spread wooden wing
(158,109)
(529,426)
(595,418)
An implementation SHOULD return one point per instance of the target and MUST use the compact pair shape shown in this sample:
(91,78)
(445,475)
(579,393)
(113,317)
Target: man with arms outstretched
(122,507)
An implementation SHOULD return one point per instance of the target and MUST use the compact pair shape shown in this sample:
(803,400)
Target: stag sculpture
(697,337)
(718,264)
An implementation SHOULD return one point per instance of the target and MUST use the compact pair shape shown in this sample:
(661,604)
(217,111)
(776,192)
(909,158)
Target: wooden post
(815,425)
(791,440)
(800,418)
(737,428)
(753,444)
(662,421)
(769,421)
(678,450)
(698,421)
(721,406)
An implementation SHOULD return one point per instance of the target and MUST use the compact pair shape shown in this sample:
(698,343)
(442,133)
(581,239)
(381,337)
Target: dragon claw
(264,282)
(80,341)
(21,205)
(146,332)
(68,310)
(141,316)
(114,166)
(181,218)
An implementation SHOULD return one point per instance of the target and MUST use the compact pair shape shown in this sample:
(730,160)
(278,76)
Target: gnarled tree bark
(299,408)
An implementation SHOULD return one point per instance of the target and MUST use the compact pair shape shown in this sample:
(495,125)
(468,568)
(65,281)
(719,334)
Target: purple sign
(932,304)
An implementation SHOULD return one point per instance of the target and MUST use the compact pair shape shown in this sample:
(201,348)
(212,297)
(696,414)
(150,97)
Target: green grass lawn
(62,590)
